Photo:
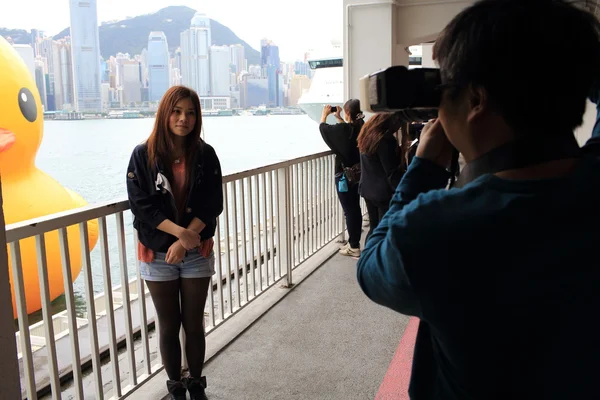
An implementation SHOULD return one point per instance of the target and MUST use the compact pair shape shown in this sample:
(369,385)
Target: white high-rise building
(45,49)
(255,70)
(40,79)
(144,62)
(238,58)
(220,58)
(121,60)
(63,75)
(132,87)
(175,77)
(26,53)
(105,95)
(195,54)
(86,55)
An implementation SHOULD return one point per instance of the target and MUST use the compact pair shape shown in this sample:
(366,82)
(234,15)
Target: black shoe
(196,387)
(176,390)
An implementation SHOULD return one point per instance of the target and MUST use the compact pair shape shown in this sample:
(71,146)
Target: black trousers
(376,212)
(350,201)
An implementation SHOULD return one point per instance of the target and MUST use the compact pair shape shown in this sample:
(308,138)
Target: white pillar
(377,33)
(10,384)
(369,41)
(427,57)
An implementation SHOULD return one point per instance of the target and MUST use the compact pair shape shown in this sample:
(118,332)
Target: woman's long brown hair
(161,146)
(374,130)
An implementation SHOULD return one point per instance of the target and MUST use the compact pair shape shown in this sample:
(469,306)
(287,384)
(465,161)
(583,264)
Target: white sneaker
(350,252)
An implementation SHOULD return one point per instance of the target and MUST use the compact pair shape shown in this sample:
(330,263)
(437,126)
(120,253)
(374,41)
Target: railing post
(284,198)
(10,386)
(345,236)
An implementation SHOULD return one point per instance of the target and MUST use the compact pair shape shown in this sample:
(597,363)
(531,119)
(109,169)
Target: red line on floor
(396,380)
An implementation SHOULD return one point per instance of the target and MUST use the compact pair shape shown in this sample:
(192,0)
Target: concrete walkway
(325,340)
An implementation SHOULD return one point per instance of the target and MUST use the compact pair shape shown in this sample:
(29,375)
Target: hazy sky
(293,26)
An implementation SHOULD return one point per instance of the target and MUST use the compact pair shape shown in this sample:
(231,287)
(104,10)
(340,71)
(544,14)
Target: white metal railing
(274,218)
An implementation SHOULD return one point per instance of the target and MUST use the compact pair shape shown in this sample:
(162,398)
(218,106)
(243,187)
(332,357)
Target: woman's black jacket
(152,202)
(381,171)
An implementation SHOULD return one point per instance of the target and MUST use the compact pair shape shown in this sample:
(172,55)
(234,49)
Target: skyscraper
(40,79)
(220,58)
(120,61)
(104,71)
(86,55)
(131,83)
(299,85)
(63,75)
(36,37)
(269,55)
(254,91)
(255,70)
(238,58)
(144,68)
(302,68)
(45,49)
(158,65)
(26,53)
(195,53)
(177,58)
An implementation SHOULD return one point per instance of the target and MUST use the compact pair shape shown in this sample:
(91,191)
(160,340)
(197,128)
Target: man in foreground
(501,271)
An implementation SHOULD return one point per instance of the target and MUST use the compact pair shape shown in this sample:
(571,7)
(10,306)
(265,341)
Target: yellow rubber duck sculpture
(28,192)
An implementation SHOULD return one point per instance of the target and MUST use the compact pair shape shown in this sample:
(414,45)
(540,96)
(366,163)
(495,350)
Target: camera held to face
(412,93)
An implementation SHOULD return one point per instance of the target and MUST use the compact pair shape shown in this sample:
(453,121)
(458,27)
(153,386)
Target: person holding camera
(341,138)
(382,164)
(501,270)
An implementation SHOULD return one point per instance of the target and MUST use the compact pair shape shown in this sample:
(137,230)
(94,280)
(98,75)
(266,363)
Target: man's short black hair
(537,59)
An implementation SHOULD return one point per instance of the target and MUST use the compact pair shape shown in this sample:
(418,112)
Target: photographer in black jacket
(342,140)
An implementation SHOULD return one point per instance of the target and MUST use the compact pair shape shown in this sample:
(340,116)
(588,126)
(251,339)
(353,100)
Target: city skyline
(318,22)
(217,73)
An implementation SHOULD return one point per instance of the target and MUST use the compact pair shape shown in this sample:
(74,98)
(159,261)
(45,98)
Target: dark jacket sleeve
(210,198)
(144,206)
(332,135)
(390,161)
(326,131)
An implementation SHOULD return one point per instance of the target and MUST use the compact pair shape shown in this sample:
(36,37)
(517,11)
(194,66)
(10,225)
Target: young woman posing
(174,185)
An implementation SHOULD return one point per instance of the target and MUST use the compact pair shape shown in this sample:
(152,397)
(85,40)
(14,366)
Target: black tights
(350,202)
(171,315)
(377,211)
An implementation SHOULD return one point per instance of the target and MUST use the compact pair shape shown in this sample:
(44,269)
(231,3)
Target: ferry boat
(327,87)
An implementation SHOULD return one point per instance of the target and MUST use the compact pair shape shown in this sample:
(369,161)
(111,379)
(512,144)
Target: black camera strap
(520,154)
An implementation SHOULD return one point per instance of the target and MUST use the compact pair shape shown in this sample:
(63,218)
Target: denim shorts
(194,265)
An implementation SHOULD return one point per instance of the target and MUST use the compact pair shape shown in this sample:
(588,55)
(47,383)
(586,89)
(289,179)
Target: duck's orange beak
(7,139)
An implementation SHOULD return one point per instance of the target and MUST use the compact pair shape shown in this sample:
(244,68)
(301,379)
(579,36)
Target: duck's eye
(27,105)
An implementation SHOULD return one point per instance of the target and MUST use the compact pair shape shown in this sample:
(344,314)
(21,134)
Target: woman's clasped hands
(188,240)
